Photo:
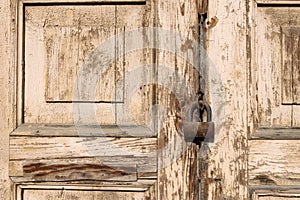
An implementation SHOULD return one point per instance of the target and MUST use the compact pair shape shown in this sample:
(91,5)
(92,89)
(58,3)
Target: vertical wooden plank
(180,20)
(7,84)
(228,75)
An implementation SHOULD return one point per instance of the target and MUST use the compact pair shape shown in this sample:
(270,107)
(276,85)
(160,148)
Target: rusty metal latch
(200,130)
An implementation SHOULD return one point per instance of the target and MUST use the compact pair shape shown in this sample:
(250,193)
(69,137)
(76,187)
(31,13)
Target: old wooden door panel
(274,145)
(80,60)
(291,62)
(84,195)
(274,162)
(277,47)
(58,153)
(52,192)
(67,194)
(275,193)
(274,2)
(74,55)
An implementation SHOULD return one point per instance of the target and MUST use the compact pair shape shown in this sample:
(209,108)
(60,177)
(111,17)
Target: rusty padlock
(198,131)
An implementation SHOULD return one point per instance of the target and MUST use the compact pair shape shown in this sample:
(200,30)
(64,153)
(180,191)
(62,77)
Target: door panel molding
(43,191)
(84,1)
(274,192)
(271,84)
(278,2)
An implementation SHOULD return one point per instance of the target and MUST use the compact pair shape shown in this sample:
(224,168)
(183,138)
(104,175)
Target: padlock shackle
(208,112)
(191,111)
(195,106)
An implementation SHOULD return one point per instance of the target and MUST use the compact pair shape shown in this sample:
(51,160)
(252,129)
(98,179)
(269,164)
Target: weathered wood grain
(291,63)
(64,130)
(179,63)
(274,162)
(82,192)
(77,172)
(86,1)
(68,147)
(7,84)
(138,186)
(272,2)
(271,111)
(67,64)
(226,176)
(146,167)
(287,67)
(276,134)
(296,116)
(276,193)
(67,194)
(273,120)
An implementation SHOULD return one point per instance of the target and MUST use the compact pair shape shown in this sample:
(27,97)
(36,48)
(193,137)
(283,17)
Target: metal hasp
(198,131)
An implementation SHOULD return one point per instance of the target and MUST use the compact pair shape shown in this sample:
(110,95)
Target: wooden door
(274,144)
(83,123)
(79,135)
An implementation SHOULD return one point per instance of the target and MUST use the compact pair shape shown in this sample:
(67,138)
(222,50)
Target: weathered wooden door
(82,133)
(274,145)
(87,83)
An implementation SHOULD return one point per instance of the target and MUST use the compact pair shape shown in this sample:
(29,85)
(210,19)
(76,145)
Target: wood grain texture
(226,176)
(291,63)
(86,1)
(296,116)
(78,172)
(79,192)
(145,167)
(7,84)
(274,144)
(272,2)
(66,194)
(276,193)
(269,60)
(137,186)
(68,147)
(64,130)
(82,60)
(276,134)
(274,162)
(174,96)
(98,156)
